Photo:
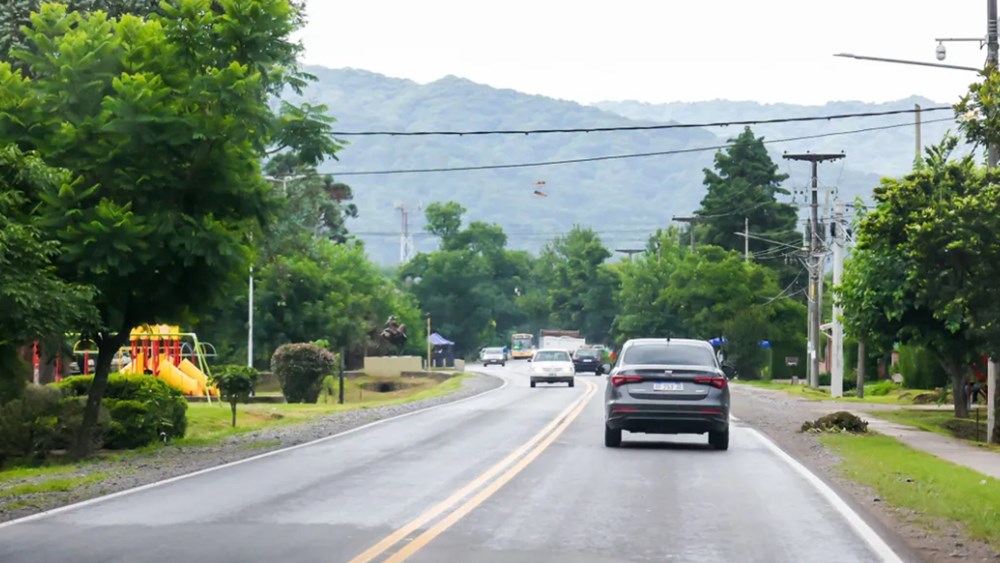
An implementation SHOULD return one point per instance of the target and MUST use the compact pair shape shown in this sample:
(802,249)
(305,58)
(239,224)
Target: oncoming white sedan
(552,366)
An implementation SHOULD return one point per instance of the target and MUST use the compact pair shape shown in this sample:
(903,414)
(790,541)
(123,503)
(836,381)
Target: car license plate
(668,386)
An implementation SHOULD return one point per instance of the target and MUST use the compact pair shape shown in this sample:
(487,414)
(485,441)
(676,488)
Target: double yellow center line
(493,478)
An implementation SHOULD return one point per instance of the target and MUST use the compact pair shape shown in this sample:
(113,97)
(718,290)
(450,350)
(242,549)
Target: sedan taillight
(621,379)
(717,382)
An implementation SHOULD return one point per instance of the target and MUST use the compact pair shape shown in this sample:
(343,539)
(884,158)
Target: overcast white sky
(657,50)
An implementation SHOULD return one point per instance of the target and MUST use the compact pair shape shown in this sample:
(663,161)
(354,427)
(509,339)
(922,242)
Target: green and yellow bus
(522,346)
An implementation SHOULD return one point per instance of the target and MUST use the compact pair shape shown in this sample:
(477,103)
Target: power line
(618,156)
(639,127)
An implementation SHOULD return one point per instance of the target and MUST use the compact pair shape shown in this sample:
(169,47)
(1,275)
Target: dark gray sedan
(661,386)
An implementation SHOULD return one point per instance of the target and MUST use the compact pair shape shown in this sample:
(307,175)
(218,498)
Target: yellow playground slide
(193,372)
(187,384)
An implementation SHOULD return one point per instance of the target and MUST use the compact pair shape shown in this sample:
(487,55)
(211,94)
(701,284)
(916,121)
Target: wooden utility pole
(815,260)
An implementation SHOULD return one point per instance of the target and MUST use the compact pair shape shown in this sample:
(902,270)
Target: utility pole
(404,233)
(815,260)
(746,239)
(249,315)
(920,144)
(837,364)
(630,251)
(993,47)
(429,365)
(693,220)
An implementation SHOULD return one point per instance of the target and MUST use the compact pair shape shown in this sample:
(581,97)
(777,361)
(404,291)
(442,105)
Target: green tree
(643,310)
(742,190)
(580,287)
(913,276)
(470,286)
(444,220)
(161,121)
(236,384)
(671,292)
(34,302)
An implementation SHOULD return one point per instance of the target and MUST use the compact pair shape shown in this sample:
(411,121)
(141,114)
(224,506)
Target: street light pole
(991,162)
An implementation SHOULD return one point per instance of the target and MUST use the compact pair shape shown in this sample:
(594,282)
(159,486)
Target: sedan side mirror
(606,368)
(729,370)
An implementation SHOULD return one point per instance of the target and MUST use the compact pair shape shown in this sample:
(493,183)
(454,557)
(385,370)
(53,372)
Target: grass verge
(918,481)
(60,485)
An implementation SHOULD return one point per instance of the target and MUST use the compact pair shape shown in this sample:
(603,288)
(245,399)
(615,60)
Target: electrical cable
(665,126)
(616,156)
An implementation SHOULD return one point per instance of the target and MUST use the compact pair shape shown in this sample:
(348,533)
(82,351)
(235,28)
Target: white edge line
(871,537)
(147,486)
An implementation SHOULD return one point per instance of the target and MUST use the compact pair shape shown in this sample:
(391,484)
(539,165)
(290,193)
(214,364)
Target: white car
(552,366)
(493,356)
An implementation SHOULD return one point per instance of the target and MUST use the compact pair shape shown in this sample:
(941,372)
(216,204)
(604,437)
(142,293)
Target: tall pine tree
(743,186)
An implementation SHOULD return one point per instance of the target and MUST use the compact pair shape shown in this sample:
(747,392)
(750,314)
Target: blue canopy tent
(443,354)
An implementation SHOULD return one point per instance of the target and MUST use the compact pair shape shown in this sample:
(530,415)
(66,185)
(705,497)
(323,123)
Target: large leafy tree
(670,292)
(333,293)
(471,285)
(917,271)
(579,285)
(34,302)
(161,121)
(643,310)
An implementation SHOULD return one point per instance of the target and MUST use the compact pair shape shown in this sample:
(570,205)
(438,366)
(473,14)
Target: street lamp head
(941,51)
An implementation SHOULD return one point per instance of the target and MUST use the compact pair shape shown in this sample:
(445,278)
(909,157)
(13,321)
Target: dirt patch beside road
(780,417)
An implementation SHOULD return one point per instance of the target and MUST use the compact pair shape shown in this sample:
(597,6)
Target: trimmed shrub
(28,425)
(41,421)
(880,389)
(300,369)
(141,407)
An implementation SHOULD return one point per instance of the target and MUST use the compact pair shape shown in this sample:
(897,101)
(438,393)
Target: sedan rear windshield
(587,353)
(552,357)
(672,354)
(493,351)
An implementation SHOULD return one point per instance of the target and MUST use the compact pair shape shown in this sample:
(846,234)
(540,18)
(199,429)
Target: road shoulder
(780,416)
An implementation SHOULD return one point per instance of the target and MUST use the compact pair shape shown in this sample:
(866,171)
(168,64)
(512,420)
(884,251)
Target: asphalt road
(517,474)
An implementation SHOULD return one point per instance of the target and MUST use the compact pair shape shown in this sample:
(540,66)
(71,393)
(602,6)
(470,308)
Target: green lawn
(210,423)
(921,482)
(897,396)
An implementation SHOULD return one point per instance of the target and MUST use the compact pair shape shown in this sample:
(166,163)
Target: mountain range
(624,199)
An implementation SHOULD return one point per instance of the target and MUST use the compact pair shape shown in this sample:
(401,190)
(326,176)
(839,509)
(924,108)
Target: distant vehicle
(493,356)
(568,340)
(552,366)
(522,346)
(588,359)
(662,386)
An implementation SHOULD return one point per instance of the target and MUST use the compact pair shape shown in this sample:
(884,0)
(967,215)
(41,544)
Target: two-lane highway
(516,474)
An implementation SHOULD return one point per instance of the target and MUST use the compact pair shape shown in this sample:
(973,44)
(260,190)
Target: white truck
(568,340)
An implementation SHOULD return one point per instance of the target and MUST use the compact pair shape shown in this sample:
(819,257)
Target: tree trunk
(233,405)
(957,374)
(107,346)
(861,370)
